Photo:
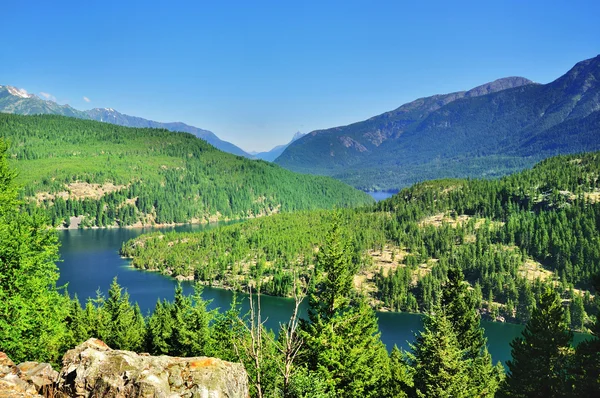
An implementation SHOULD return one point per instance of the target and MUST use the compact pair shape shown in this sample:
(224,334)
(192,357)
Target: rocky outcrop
(93,369)
(29,379)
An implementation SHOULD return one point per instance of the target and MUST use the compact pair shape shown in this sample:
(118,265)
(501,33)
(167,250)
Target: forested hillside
(336,351)
(18,101)
(511,238)
(106,175)
(490,131)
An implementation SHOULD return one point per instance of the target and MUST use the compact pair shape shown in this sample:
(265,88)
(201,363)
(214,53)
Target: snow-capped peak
(18,92)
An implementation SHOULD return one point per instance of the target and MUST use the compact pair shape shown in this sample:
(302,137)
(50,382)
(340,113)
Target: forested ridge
(512,238)
(117,176)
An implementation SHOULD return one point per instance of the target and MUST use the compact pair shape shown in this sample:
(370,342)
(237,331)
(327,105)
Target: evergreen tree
(586,363)
(539,358)
(124,330)
(438,361)
(159,329)
(227,329)
(198,324)
(400,375)
(459,306)
(342,341)
(79,330)
(33,313)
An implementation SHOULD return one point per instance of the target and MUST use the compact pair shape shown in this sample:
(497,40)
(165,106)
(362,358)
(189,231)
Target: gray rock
(94,369)
(12,385)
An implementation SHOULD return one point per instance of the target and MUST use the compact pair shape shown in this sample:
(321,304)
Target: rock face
(93,369)
(29,379)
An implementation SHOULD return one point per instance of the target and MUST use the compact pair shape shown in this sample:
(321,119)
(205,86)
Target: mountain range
(489,131)
(18,101)
(274,153)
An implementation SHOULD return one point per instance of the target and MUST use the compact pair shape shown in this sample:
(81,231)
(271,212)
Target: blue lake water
(381,195)
(90,261)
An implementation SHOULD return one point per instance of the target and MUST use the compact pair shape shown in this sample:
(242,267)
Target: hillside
(18,101)
(489,131)
(104,175)
(510,237)
(109,115)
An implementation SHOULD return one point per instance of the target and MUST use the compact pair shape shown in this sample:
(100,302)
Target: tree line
(512,238)
(161,177)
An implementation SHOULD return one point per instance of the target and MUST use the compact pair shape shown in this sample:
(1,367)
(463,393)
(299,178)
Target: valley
(449,247)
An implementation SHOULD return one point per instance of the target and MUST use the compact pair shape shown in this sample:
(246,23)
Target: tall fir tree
(342,340)
(438,361)
(539,364)
(585,371)
(33,313)
(459,305)
(125,329)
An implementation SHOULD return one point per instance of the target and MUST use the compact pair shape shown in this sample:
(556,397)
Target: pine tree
(33,313)
(539,358)
(459,306)
(437,361)
(123,326)
(78,326)
(159,329)
(400,375)
(198,324)
(226,329)
(342,341)
(585,372)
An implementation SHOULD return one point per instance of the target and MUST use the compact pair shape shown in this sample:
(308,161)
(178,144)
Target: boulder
(40,375)
(12,385)
(93,369)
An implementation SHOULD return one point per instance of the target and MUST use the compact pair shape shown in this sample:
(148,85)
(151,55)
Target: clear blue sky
(256,72)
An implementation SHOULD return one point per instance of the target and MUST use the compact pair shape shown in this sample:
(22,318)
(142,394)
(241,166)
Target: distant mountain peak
(498,85)
(19,101)
(487,131)
(274,152)
(582,76)
(297,136)
(18,92)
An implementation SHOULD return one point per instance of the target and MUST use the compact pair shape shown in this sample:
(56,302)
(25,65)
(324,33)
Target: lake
(90,261)
(381,195)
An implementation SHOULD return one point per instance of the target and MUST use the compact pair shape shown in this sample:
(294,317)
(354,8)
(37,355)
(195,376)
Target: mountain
(110,115)
(98,174)
(489,131)
(274,153)
(18,101)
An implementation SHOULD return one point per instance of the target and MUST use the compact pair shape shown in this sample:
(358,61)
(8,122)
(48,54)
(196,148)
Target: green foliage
(585,368)
(540,358)
(181,327)
(491,231)
(159,176)
(459,306)
(236,254)
(342,341)
(32,311)
(437,361)
(124,329)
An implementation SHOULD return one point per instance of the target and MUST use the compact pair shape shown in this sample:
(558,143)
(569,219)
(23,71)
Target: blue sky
(256,72)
